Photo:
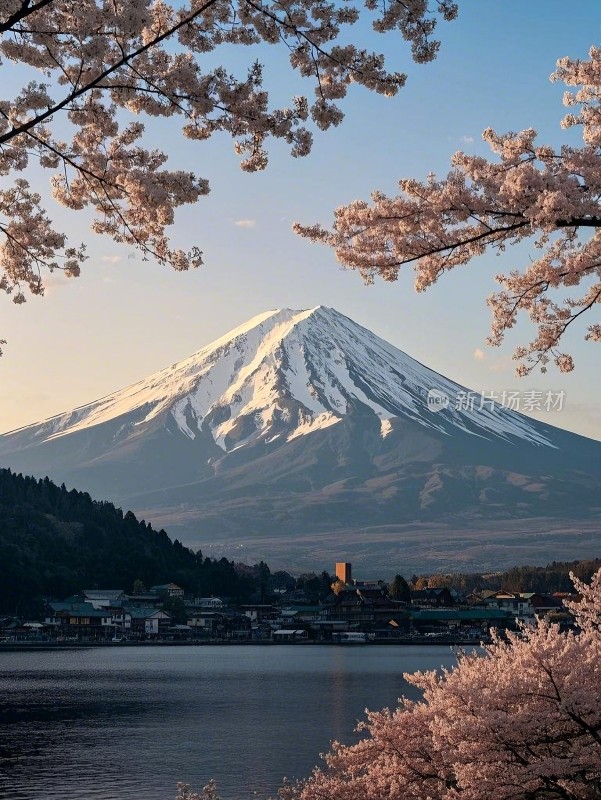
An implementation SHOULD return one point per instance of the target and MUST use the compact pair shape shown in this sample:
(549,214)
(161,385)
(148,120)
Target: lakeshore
(422,641)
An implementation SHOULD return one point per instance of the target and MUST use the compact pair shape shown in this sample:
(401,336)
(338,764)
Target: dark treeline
(54,542)
(555,577)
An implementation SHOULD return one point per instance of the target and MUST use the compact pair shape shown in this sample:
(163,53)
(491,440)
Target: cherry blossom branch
(105,57)
(520,722)
(528,191)
(94,82)
(26,9)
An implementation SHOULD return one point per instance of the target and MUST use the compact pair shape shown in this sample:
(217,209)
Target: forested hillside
(54,542)
(554,577)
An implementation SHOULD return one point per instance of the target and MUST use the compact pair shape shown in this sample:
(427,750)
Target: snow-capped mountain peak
(284,374)
(301,438)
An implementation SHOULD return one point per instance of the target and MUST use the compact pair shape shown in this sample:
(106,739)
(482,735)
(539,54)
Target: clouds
(502,364)
(55,281)
(245,223)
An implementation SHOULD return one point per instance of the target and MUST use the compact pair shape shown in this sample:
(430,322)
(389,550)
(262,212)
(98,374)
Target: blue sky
(125,318)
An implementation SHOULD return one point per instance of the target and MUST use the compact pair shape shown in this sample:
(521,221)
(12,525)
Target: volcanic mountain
(303,438)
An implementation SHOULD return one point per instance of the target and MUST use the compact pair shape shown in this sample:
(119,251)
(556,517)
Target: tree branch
(94,83)
(25,10)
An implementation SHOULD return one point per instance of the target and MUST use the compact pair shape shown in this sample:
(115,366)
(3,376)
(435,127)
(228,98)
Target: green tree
(264,575)
(398,589)
(176,608)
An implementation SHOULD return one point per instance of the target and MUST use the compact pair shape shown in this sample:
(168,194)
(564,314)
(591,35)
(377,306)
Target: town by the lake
(353,612)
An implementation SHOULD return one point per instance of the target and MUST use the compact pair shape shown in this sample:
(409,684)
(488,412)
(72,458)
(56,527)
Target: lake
(128,723)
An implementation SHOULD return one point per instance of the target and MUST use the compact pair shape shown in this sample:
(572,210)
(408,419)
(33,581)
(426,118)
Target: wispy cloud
(502,365)
(466,139)
(54,281)
(479,355)
(245,223)
(111,259)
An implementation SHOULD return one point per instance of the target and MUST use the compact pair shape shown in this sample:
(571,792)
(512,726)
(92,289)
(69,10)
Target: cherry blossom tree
(527,191)
(521,722)
(209,792)
(105,64)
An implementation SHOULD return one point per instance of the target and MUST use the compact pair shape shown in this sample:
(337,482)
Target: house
(209,602)
(34,627)
(285,635)
(304,613)
(393,627)
(324,629)
(206,622)
(179,632)
(169,589)
(33,631)
(14,630)
(542,604)
(257,612)
(149,622)
(103,598)
(145,600)
(351,637)
(224,624)
(464,620)
(361,604)
(432,598)
(508,601)
(79,619)
(261,631)
(475,599)
(524,604)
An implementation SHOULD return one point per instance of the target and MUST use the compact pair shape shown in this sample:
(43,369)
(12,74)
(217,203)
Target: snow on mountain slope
(286,373)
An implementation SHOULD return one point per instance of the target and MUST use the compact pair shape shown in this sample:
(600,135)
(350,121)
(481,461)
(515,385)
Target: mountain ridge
(299,424)
(320,400)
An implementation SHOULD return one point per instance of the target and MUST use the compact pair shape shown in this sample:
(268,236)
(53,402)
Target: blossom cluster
(528,191)
(100,59)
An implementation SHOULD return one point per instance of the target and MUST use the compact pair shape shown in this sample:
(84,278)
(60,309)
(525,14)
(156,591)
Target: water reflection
(104,724)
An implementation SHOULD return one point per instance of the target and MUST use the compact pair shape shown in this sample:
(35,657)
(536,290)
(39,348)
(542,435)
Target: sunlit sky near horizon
(124,318)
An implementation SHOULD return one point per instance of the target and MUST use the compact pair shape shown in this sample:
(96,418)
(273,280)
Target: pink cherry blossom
(527,191)
(520,722)
(92,59)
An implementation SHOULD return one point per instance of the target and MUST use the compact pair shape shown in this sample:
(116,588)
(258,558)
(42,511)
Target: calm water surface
(128,723)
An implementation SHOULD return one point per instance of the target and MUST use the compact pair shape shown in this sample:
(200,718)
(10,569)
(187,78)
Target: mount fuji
(303,438)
